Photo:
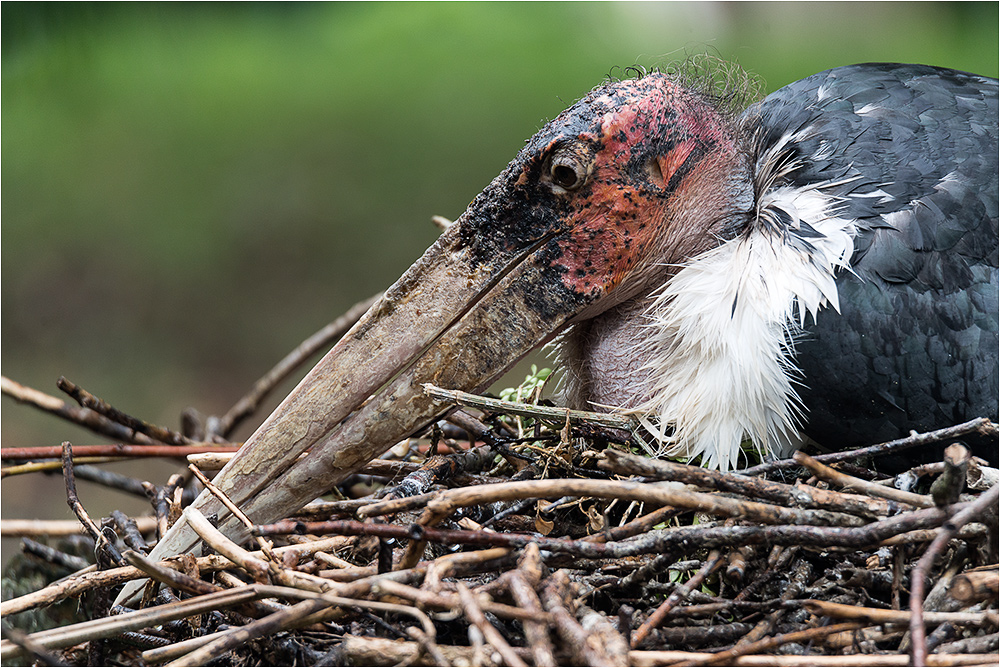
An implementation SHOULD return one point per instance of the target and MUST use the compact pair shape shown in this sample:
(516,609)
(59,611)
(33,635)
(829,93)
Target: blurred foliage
(189,189)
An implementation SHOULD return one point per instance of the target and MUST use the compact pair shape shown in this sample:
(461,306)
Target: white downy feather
(723,331)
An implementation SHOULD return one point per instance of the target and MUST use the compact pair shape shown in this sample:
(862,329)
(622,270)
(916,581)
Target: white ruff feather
(723,330)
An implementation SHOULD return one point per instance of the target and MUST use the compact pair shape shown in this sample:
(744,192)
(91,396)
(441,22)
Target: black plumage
(912,153)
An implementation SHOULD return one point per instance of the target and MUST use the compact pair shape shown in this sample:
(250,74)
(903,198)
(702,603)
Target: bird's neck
(709,356)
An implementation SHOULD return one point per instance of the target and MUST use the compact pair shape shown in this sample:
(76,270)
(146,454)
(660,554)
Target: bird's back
(910,153)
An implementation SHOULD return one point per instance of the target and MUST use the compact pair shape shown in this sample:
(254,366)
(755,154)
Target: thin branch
(372,651)
(314,344)
(556,416)
(169,576)
(51,465)
(917,577)
(475,616)
(25,642)
(782,493)
(66,636)
(84,417)
(979,425)
(103,544)
(446,502)
(257,568)
(19,528)
(94,403)
(824,472)
(117,450)
(767,644)
(53,556)
(882,616)
(265,546)
(687,538)
(712,563)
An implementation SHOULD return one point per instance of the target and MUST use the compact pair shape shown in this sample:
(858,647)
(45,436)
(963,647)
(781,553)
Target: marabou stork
(822,265)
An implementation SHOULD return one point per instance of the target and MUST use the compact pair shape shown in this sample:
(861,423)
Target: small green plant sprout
(528,392)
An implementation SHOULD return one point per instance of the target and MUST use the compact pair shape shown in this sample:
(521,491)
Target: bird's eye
(565,176)
(568,166)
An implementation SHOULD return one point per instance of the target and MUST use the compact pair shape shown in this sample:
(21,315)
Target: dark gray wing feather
(914,151)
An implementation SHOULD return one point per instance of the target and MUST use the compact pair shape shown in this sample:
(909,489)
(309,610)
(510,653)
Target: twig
(635,527)
(687,538)
(368,651)
(98,405)
(389,468)
(290,616)
(475,616)
(73,634)
(449,601)
(979,644)
(428,645)
(103,544)
(117,450)
(713,561)
(51,465)
(981,425)
(161,655)
(128,530)
(53,556)
(556,416)
(82,416)
(438,468)
(808,635)
(798,581)
(568,628)
(240,636)
(622,462)
(321,339)
(169,576)
(968,532)
(110,479)
(265,546)
(24,641)
(77,585)
(257,568)
(917,577)
(19,528)
(446,502)
(604,634)
(535,633)
(371,651)
(882,616)
(820,470)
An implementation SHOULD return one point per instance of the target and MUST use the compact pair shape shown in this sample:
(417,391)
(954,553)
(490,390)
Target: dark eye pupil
(564,176)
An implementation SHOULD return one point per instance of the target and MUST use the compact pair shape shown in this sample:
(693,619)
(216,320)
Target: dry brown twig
(82,416)
(713,561)
(118,450)
(824,472)
(137,426)
(328,335)
(954,523)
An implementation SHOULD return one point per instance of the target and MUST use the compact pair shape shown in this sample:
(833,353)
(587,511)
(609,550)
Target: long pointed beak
(453,319)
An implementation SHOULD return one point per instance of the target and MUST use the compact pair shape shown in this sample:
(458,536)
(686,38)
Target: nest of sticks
(516,534)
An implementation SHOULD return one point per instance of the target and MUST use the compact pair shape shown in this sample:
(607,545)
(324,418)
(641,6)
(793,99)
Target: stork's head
(637,176)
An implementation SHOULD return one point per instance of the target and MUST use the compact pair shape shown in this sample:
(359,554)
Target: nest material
(530,538)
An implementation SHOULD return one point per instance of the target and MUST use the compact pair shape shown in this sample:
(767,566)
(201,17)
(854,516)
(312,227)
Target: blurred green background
(189,190)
